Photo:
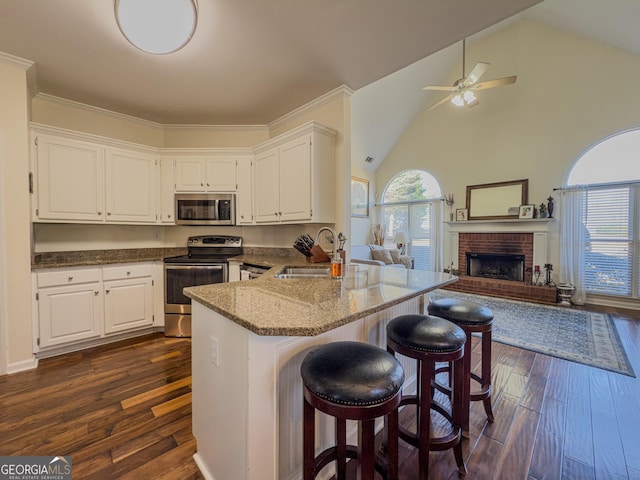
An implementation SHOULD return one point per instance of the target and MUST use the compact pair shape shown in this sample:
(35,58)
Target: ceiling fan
(462,91)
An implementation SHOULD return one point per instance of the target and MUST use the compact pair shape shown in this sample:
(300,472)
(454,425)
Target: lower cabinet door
(69,313)
(128,304)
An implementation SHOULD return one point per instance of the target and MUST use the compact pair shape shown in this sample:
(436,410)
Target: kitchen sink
(303,272)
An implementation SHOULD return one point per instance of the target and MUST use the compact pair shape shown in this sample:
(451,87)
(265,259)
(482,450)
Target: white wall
(14,201)
(570,93)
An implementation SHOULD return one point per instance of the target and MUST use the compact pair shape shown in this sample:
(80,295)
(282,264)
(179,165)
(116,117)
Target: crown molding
(16,61)
(342,91)
(180,126)
(90,108)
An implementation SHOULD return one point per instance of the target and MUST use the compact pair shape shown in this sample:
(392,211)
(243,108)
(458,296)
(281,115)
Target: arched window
(408,206)
(609,174)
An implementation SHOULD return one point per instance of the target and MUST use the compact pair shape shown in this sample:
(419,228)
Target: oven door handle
(193,266)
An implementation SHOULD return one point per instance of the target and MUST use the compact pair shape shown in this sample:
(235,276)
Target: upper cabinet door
(167,197)
(244,199)
(221,174)
(190,174)
(131,186)
(295,179)
(69,179)
(266,188)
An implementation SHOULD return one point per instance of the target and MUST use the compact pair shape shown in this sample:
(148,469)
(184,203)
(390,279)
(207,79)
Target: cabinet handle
(280,213)
(241,216)
(70,278)
(96,292)
(208,185)
(169,216)
(128,272)
(108,213)
(99,213)
(107,291)
(202,184)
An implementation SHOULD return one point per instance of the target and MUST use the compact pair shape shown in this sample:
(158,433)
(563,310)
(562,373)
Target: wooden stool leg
(308,441)
(366,449)
(457,409)
(486,372)
(391,444)
(424,414)
(466,388)
(341,449)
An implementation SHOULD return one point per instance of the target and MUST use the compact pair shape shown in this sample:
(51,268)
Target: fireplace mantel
(532,225)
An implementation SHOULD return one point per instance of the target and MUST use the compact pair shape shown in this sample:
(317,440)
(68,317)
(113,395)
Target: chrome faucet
(335,239)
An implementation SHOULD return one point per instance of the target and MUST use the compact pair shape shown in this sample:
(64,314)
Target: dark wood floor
(124,411)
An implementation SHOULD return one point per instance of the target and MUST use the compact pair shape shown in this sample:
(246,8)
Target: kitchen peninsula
(248,341)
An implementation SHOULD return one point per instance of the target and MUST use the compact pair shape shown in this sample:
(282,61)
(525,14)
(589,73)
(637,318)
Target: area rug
(576,335)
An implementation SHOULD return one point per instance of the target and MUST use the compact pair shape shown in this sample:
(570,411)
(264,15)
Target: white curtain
(437,236)
(572,238)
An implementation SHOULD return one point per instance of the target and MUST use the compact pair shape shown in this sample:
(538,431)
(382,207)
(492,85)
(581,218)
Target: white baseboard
(202,467)
(22,366)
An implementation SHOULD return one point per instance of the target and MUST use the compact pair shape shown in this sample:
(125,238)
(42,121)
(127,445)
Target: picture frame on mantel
(493,201)
(359,197)
(526,211)
(461,214)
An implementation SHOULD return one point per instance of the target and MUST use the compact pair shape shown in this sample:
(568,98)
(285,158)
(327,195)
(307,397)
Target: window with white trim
(610,171)
(407,206)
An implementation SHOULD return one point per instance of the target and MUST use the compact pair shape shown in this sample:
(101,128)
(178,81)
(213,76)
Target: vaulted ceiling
(250,61)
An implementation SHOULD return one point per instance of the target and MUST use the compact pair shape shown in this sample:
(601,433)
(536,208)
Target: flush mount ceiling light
(157,26)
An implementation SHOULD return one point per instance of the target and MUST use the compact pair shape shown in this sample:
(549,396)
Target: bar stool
(351,381)
(430,340)
(471,317)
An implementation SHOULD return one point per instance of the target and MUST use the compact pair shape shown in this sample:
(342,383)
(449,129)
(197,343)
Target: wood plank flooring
(123,411)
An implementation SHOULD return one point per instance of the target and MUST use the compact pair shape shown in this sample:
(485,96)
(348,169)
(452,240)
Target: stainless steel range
(206,263)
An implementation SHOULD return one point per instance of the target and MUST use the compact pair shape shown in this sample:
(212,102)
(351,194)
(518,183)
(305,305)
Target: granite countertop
(305,307)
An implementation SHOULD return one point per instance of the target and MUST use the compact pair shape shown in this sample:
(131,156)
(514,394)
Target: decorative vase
(550,206)
(565,292)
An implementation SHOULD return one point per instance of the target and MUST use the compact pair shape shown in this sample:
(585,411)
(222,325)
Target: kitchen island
(248,341)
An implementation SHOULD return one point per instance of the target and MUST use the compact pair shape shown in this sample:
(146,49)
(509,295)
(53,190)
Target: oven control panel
(214,241)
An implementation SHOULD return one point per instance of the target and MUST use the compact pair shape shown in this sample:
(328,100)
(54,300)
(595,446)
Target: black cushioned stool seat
(471,317)
(352,381)
(430,340)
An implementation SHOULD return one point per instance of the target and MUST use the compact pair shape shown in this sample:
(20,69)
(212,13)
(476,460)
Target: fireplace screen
(496,265)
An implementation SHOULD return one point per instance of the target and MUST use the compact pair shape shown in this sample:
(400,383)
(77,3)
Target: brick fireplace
(530,245)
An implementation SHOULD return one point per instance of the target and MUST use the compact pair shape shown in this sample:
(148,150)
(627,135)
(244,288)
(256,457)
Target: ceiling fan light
(469,97)
(457,100)
(157,26)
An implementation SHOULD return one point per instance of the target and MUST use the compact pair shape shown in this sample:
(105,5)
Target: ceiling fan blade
(498,82)
(440,88)
(476,73)
(437,104)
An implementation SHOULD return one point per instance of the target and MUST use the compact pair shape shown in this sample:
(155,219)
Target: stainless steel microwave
(206,209)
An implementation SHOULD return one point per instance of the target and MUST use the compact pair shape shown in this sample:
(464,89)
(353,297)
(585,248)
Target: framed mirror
(492,201)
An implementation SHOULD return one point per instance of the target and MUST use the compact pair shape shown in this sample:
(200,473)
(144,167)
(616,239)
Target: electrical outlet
(157,236)
(214,352)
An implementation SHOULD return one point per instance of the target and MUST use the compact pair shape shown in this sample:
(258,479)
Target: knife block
(318,255)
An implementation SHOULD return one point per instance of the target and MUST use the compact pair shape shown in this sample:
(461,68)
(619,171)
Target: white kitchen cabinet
(206,174)
(267,186)
(244,197)
(294,177)
(131,179)
(167,196)
(70,307)
(69,182)
(77,180)
(128,297)
(76,307)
